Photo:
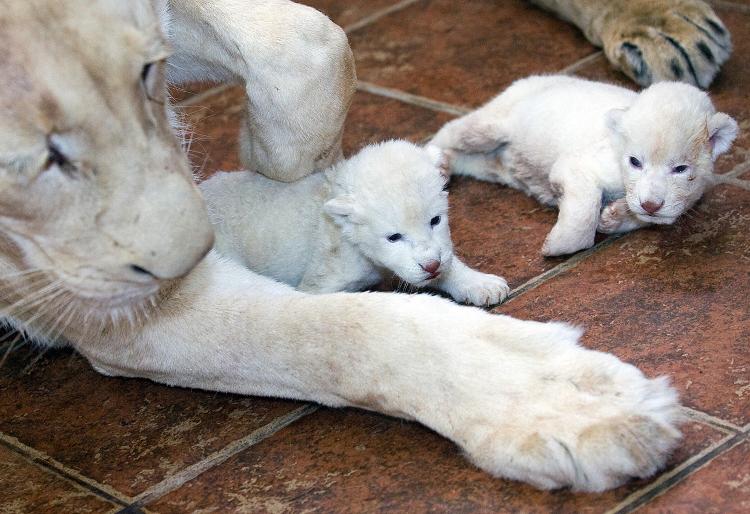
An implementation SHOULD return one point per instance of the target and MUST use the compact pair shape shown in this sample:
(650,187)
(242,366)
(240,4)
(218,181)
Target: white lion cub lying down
(382,211)
(575,144)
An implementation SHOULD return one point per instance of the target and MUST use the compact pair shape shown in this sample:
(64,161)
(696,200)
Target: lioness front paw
(590,428)
(481,289)
(669,40)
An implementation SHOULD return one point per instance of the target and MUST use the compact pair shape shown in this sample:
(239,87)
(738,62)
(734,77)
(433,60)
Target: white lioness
(102,239)
(571,143)
(383,211)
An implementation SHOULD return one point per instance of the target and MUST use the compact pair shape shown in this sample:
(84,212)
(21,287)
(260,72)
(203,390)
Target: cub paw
(612,217)
(481,289)
(673,40)
(558,243)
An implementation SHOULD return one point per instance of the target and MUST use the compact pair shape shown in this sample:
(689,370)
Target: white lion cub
(577,144)
(380,212)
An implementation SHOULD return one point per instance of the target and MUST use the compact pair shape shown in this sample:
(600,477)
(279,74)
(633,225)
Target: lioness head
(668,140)
(95,192)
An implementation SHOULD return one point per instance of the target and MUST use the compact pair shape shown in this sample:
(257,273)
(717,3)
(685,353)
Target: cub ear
(441,159)
(722,130)
(613,120)
(342,209)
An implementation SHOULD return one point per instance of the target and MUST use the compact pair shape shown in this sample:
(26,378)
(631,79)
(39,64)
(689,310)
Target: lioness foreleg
(297,69)
(521,398)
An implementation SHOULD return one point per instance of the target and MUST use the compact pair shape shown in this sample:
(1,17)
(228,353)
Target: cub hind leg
(476,146)
(479,144)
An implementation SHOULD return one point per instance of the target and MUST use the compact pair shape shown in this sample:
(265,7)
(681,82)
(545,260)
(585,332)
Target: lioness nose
(651,207)
(430,266)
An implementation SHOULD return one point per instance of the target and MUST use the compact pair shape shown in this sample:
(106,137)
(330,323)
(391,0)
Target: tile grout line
(735,182)
(735,172)
(458,110)
(372,18)
(409,98)
(668,480)
(58,469)
(187,474)
(713,421)
(564,266)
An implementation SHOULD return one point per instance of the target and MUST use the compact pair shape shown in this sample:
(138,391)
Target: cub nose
(651,207)
(430,266)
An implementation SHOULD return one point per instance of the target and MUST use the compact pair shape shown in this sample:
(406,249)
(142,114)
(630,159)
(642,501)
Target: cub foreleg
(465,284)
(579,204)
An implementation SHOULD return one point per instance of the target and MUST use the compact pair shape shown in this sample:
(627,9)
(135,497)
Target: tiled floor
(672,300)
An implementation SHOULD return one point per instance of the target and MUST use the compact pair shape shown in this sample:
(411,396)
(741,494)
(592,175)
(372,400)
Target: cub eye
(394,237)
(635,163)
(435,221)
(56,158)
(680,169)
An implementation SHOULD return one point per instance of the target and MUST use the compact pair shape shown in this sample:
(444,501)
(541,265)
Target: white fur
(329,233)
(522,399)
(568,142)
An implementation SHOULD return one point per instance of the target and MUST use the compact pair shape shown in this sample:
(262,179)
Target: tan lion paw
(651,41)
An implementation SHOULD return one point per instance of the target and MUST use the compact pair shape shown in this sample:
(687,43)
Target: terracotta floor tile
(729,92)
(499,230)
(212,130)
(672,300)
(126,433)
(464,52)
(27,488)
(214,126)
(374,118)
(721,487)
(346,13)
(352,461)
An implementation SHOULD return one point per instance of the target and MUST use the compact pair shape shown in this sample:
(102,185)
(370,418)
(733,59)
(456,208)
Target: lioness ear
(440,158)
(342,209)
(613,119)
(722,130)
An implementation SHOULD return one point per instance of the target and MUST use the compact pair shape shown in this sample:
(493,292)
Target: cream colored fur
(336,227)
(102,236)
(652,40)
(572,143)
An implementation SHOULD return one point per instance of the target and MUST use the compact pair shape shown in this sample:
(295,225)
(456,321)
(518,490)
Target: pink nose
(651,207)
(430,266)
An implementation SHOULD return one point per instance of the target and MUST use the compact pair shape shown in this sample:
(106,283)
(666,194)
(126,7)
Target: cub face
(667,142)
(391,203)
